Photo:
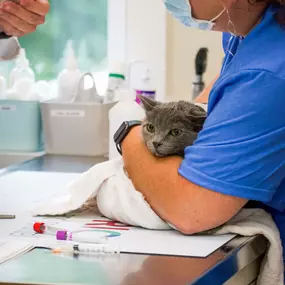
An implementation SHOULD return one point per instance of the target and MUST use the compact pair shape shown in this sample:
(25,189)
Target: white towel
(252,222)
(116,196)
(118,200)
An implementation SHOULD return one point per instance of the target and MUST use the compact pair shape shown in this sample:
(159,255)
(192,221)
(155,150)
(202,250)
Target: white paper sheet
(130,239)
(21,191)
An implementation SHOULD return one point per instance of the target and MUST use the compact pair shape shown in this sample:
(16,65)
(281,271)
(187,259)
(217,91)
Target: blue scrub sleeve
(241,150)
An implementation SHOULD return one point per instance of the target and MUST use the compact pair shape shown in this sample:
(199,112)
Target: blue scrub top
(225,41)
(241,149)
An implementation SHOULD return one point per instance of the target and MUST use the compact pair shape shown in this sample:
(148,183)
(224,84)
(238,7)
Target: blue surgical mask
(181,10)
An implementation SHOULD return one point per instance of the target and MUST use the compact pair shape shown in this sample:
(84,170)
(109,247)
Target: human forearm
(148,175)
(187,206)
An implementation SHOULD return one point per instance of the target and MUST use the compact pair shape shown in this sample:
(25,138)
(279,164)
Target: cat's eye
(150,128)
(175,132)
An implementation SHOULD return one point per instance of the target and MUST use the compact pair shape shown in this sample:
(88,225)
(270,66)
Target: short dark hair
(280,4)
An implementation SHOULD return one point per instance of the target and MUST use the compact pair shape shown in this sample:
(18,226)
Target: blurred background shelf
(10,158)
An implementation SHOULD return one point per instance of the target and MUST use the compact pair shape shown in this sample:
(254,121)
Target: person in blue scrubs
(239,156)
(225,41)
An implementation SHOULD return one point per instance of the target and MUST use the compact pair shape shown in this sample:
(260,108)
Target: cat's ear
(198,118)
(148,103)
(198,122)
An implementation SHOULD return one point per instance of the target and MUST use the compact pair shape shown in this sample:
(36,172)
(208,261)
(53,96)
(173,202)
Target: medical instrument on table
(127,109)
(84,236)
(89,249)
(200,68)
(42,228)
(7,217)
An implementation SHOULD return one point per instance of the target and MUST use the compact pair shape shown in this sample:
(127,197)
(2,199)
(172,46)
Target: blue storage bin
(20,126)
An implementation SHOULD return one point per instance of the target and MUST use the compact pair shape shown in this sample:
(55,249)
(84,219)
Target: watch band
(4,36)
(123,131)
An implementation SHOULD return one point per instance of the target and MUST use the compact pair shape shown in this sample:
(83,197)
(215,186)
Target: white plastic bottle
(141,79)
(68,79)
(144,86)
(125,110)
(116,80)
(22,69)
(3,87)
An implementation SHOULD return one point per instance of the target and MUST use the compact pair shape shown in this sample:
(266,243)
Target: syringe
(87,249)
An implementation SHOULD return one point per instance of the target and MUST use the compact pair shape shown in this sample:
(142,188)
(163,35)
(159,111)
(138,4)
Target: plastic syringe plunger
(88,249)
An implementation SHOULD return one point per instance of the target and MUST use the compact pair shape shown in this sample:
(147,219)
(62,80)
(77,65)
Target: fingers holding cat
(23,17)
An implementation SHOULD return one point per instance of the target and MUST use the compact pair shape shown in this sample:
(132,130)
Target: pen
(7,217)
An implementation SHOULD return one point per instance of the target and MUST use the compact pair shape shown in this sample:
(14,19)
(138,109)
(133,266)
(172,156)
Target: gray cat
(170,127)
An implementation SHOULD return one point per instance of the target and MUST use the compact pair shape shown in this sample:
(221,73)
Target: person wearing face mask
(239,156)
(17,19)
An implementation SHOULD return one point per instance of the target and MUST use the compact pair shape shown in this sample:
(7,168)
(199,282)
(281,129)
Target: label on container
(148,94)
(68,113)
(7,108)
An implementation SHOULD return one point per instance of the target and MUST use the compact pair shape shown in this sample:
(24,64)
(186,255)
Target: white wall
(146,37)
(145,31)
(182,46)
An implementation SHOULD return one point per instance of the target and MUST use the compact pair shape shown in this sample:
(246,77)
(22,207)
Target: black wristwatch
(3,36)
(123,131)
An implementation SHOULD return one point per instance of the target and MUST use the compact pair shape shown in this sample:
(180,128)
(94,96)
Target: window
(82,21)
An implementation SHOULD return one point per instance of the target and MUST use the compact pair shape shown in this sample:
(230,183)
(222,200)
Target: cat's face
(170,127)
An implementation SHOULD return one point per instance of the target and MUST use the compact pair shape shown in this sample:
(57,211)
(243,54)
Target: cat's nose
(157,144)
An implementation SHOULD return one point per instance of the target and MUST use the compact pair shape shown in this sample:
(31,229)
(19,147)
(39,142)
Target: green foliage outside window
(82,21)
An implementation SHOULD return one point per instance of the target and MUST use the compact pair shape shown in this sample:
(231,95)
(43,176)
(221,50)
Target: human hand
(19,19)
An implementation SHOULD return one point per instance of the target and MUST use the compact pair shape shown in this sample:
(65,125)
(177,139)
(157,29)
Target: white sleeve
(9,48)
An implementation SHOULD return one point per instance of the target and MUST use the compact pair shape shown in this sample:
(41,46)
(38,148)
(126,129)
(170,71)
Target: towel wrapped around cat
(167,130)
